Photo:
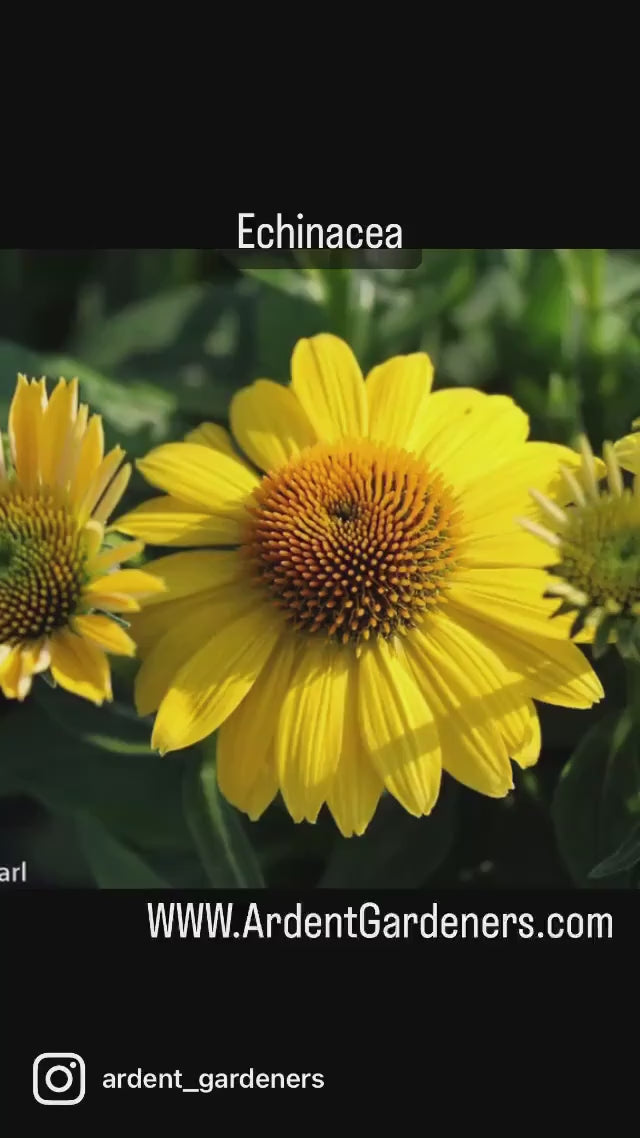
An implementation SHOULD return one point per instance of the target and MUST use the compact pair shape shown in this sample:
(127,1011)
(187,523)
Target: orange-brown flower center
(353,540)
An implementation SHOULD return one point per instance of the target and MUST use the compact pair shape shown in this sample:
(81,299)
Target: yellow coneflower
(60,590)
(377,615)
(596,542)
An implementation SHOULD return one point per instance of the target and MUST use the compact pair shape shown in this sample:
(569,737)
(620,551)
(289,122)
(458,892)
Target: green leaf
(578,622)
(597,800)
(130,408)
(139,414)
(601,643)
(202,342)
(396,851)
(469,361)
(548,302)
(281,321)
(338,292)
(148,327)
(194,343)
(136,795)
(113,864)
(112,727)
(586,270)
(622,279)
(497,293)
(292,282)
(626,642)
(563,609)
(217,828)
(626,856)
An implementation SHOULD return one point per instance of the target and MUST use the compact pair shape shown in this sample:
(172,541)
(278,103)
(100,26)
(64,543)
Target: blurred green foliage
(160,340)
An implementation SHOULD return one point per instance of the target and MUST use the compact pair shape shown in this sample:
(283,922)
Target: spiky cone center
(41,565)
(353,541)
(600,551)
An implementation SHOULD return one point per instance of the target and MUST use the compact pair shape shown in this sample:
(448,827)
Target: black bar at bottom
(299,1034)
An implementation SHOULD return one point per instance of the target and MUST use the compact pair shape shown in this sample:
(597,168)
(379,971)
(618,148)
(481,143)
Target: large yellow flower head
(376,613)
(595,539)
(59,591)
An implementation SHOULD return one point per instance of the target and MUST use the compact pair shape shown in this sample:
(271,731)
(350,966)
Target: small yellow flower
(596,542)
(369,611)
(59,591)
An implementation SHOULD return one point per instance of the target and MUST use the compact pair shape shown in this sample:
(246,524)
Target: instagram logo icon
(58,1078)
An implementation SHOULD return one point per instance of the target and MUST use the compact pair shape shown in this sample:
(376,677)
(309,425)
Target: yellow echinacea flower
(595,538)
(376,613)
(59,590)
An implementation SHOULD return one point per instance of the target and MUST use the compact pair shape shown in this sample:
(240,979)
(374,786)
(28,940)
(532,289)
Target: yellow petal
(89,459)
(498,499)
(206,479)
(183,627)
(36,656)
(108,635)
(511,546)
(491,431)
(451,405)
(165,611)
(214,436)
(19,664)
(213,681)
(113,602)
(473,672)
(130,582)
(14,684)
(555,671)
(397,393)
(58,452)
(218,438)
(80,667)
(152,622)
(264,785)
(184,574)
(245,755)
(328,382)
(25,429)
(269,424)
(92,537)
(528,753)
(513,600)
(398,729)
(309,733)
(112,495)
(627,452)
(481,710)
(168,521)
(80,425)
(356,786)
(103,562)
(104,474)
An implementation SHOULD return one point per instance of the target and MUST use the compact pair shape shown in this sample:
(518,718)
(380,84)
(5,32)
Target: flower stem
(633,688)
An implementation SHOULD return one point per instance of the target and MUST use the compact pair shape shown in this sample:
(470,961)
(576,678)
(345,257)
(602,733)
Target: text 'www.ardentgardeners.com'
(227,921)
